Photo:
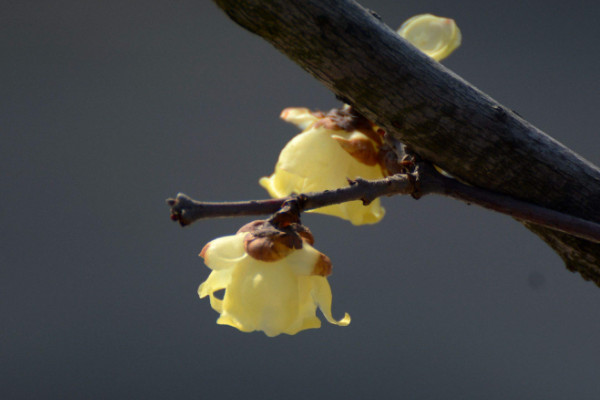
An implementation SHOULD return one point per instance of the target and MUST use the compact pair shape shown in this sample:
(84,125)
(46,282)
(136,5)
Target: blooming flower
(272,283)
(331,149)
(435,36)
(323,157)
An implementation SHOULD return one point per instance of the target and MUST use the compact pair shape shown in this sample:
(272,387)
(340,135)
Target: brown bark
(439,115)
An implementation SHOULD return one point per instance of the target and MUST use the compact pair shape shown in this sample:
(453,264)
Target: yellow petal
(224,252)
(435,36)
(217,280)
(314,161)
(274,297)
(314,154)
(299,116)
(302,262)
(261,296)
(307,318)
(322,295)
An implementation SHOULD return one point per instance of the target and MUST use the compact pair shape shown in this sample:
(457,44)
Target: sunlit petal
(314,161)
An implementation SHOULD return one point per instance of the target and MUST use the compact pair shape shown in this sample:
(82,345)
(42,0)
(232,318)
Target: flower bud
(435,36)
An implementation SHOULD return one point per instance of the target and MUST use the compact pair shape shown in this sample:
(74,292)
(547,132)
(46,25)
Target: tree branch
(186,211)
(440,116)
(425,181)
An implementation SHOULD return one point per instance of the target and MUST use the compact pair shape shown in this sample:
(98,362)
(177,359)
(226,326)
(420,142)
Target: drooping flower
(330,150)
(273,280)
(435,36)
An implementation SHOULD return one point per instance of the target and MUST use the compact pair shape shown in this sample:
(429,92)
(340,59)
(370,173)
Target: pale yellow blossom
(320,159)
(435,36)
(324,156)
(275,297)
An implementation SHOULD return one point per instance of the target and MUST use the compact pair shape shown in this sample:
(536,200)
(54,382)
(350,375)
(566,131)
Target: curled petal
(322,294)
(217,280)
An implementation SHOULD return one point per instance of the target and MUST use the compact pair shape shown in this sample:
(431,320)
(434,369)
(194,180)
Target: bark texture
(439,115)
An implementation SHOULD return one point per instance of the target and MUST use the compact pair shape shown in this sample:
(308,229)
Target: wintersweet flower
(273,280)
(330,150)
(435,36)
(343,145)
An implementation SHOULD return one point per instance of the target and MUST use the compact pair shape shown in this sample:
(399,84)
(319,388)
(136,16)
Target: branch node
(415,184)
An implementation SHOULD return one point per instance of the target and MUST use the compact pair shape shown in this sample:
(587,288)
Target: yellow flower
(276,296)
(323,157)
(435,36)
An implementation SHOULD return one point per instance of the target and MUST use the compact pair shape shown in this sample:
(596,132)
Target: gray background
(109,107)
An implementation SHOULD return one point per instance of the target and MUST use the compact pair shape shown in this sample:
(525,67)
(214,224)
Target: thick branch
(440,116)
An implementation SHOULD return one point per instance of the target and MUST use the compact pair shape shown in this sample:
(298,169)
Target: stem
(186,210)
(521,210)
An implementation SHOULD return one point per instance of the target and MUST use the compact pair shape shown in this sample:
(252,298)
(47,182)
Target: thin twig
(186,210)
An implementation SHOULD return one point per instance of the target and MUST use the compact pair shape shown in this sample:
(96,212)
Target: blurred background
(108,108)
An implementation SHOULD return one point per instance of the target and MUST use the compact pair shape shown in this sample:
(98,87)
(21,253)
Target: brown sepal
(363,150)
(305,234)
(270,246)
(252,226)
(288,215)
(273,239)
(323,266)
(350,120)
